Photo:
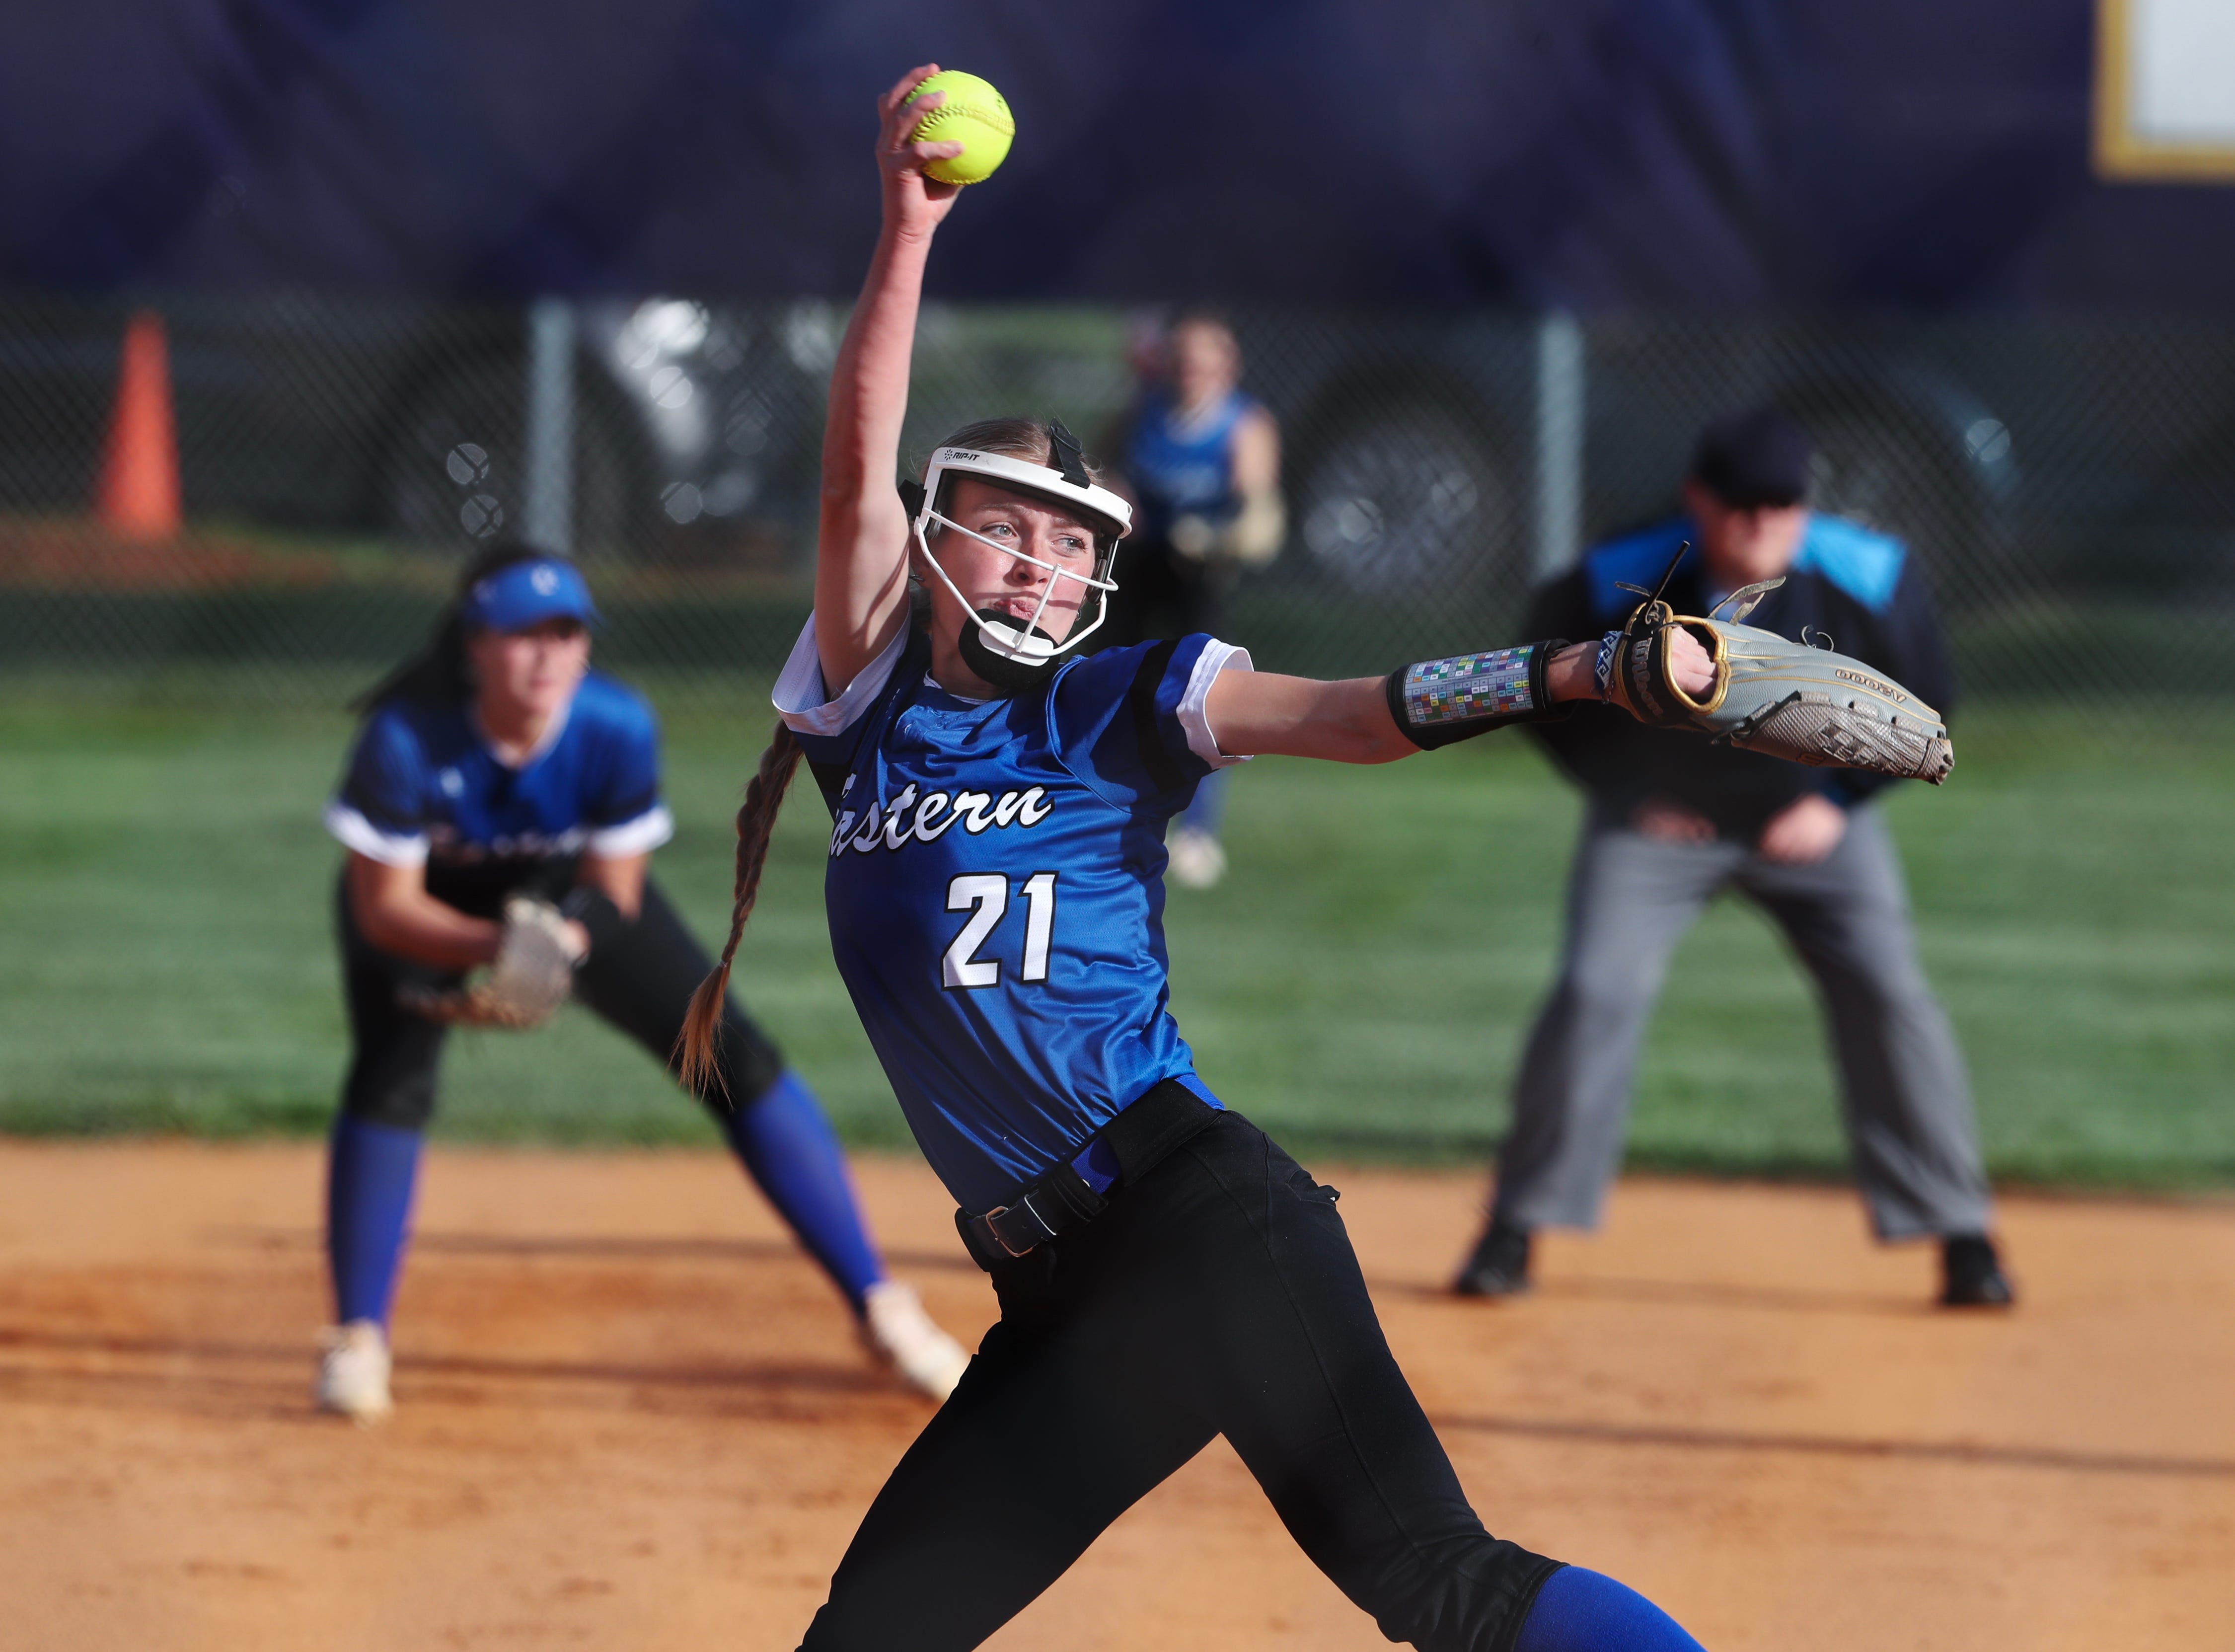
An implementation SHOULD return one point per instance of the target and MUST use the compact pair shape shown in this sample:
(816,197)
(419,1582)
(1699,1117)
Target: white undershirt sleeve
(639,837)
(389,849)
(1216,657)
(803,701)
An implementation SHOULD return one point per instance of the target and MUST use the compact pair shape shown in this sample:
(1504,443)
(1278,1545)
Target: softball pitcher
(499,806)
(1166,1274)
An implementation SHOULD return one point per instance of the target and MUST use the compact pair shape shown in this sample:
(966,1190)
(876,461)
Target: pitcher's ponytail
(697,1048)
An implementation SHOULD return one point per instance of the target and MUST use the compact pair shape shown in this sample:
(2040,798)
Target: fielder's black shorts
(639,977)
(1218,1296)
(1162,593)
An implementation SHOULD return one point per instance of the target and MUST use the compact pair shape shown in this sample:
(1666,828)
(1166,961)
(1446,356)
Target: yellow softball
(974,116)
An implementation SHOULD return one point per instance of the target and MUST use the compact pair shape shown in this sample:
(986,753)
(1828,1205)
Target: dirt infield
(632,1417)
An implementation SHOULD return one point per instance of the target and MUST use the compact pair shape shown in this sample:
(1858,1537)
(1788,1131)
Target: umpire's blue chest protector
(995,889)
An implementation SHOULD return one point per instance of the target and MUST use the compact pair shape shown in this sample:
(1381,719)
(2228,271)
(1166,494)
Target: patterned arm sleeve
(1438,702)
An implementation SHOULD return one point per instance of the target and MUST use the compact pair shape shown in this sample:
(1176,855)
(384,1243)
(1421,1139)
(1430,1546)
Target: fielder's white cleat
(353,1373)
(900,1332)
(1194,859)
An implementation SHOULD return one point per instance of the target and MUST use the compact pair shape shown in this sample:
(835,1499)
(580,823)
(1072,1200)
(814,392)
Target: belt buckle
(993,1220)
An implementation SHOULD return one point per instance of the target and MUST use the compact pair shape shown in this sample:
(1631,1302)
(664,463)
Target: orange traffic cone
(139,477)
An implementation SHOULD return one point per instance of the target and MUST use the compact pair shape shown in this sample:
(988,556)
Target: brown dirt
(632,1417)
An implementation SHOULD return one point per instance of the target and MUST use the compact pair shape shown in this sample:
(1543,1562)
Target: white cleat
(900,1332)
(1194,859)
(353,1373)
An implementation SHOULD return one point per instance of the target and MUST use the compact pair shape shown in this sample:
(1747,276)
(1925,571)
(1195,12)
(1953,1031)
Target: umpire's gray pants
(1902,1089)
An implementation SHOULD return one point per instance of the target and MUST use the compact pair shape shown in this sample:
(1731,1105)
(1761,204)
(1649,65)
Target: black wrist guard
(1437,702)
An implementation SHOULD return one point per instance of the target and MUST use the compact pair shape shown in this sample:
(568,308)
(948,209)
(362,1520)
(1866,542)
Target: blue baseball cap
(528,594)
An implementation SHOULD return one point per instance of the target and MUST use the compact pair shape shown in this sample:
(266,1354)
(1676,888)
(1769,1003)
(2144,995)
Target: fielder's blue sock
(369,1171)
(1588,1611)
(1207,807)
(789,1148)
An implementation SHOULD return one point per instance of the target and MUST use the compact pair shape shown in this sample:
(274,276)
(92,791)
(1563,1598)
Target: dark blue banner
(1593,155)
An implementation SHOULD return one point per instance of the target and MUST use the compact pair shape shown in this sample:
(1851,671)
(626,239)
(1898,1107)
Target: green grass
(1359,984)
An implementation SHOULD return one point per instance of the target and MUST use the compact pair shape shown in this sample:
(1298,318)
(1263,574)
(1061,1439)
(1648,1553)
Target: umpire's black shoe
(1499,1266)
(1971,1274)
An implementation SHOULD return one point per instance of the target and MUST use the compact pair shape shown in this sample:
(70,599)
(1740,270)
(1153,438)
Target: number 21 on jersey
(985,896)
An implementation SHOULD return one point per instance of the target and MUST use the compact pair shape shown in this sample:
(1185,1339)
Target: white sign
(2164,89)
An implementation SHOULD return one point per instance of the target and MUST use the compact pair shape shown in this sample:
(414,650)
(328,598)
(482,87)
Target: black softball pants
(638,978)
(1163,594)
(1218,1296)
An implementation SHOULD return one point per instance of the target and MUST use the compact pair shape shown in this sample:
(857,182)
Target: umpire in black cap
(1670,824)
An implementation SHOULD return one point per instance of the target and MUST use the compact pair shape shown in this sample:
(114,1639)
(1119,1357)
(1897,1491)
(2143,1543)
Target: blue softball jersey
(423,788)
(995,889)
(1182,466)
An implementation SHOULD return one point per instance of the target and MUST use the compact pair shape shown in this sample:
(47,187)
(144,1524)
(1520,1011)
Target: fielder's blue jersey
(1180,466)
(995,888)
(422,788)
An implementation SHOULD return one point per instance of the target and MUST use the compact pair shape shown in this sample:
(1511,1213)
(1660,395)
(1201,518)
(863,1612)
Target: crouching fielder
(1166,1274)
(501,805)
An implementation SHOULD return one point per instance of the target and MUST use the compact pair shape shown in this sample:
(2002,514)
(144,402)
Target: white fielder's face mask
(1014,651)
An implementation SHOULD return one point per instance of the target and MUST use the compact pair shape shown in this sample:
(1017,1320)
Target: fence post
(548,517)
(1560,392)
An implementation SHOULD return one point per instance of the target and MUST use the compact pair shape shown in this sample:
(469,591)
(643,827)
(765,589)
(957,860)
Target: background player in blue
(498,764)
(1201,460)
(1669,825)
(1165,1273)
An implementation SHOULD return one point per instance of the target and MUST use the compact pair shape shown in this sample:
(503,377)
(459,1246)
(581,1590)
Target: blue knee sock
(369,1171)
(788,1147)
(1588,1611)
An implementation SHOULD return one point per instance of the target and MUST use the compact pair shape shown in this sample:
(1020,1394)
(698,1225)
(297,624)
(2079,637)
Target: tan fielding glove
(531,976)
(1782,698)
(1251,540)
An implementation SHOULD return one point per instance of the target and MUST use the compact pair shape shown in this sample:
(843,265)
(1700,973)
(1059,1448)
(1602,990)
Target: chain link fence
(2069,485)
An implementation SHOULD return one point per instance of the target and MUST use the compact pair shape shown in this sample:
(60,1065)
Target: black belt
(1139,1138)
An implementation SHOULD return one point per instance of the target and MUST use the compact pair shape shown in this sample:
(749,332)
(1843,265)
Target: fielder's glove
(531,978)
(1783,698)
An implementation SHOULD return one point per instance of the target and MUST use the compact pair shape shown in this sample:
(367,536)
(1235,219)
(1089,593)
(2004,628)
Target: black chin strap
(1010,676)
